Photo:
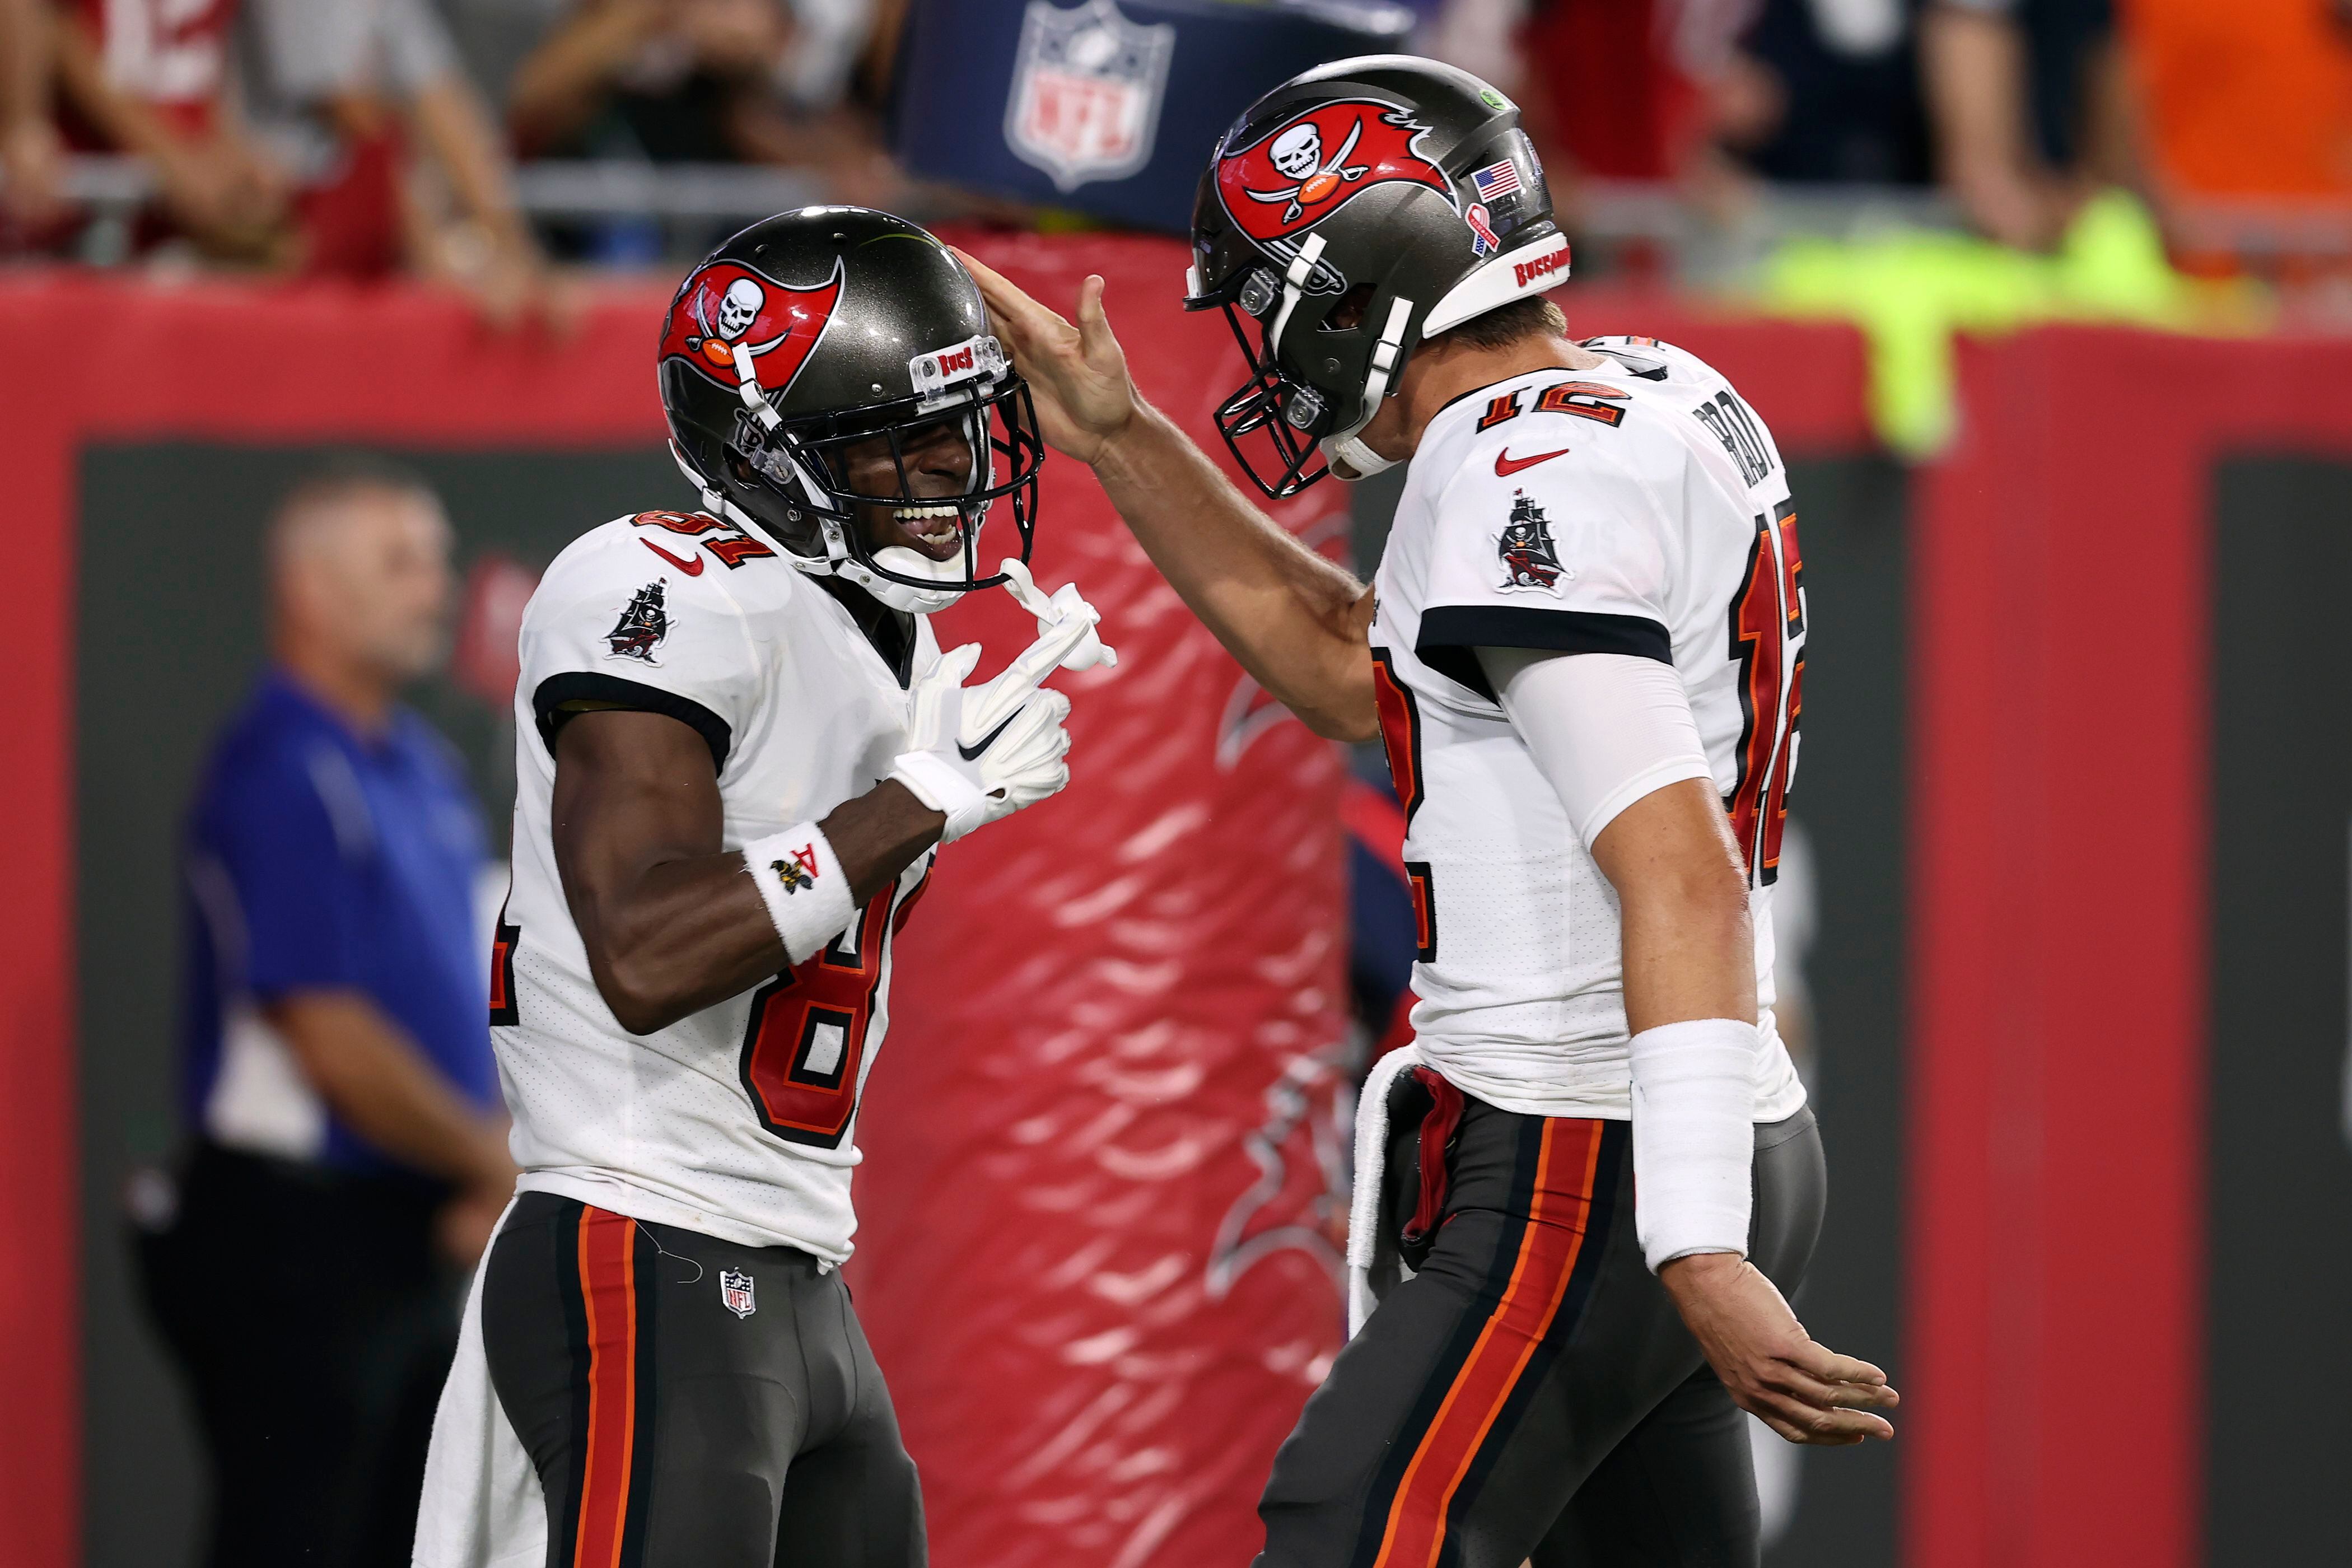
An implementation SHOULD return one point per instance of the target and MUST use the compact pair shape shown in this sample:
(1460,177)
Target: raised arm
(1294,620)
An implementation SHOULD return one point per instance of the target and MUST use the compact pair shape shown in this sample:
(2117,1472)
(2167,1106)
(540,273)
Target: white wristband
(933,780)
(1694,1137)
(803,886)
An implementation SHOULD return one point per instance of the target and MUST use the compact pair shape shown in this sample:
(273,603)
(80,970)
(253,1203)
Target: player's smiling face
(938,464)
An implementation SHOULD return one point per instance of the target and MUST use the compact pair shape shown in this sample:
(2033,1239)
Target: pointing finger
(1831,1367)
(1024,588)
(1006,299)
(1045,654)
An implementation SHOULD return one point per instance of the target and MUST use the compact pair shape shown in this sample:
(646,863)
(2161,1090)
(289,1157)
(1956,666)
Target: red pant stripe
(1548,1248)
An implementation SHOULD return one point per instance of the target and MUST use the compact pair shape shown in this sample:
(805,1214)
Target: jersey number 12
(1768,639)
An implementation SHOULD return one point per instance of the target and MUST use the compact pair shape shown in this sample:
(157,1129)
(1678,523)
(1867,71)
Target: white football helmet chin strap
(1348,457)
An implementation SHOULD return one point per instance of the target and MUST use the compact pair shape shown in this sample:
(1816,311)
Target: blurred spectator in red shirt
(29,150)
(2028,108)
(1602,90)
(150,77)
(1608,90)
(394,156)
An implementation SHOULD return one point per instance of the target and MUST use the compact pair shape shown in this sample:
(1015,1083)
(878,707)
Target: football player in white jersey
(739,743)
(1583,649)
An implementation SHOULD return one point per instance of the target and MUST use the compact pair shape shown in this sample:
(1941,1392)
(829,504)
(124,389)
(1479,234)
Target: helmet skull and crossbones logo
(739,310)
(1315,161)
(1298,154)
(734,325)
(739,307)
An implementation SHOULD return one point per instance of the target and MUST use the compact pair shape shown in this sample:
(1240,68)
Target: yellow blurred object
(1911,292)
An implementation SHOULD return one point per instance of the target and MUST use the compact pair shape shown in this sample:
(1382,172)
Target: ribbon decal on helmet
(1482,229)
(727,315)
(1313,164)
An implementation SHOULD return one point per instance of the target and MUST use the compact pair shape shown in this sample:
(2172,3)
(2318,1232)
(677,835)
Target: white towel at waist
(1371,1155)
(482,1506)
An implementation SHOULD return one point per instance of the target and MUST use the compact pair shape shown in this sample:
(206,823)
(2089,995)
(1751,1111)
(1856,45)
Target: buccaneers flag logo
(726,306)
(1306,169)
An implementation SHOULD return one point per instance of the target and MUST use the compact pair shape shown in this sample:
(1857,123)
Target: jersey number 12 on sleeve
(1768,639)
(1400,739)
(805,1044)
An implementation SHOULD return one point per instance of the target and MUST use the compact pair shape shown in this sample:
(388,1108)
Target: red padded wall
(1098,1267)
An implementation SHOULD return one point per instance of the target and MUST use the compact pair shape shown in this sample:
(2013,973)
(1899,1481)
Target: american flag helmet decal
(1495,180)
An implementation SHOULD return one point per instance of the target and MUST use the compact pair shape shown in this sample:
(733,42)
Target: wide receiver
(738,745)
(1582,651)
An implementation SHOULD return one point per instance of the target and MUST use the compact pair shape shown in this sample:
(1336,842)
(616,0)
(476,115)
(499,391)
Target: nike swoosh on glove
(982,754)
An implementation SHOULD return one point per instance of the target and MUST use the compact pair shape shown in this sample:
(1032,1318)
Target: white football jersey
(1638,509)
(737,1121)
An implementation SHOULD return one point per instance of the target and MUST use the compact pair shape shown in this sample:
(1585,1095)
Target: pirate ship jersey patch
(1530,558)
(643,626)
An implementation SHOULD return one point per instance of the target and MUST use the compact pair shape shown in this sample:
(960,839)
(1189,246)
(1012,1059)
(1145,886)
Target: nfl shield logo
(1087,87)
(735,1289)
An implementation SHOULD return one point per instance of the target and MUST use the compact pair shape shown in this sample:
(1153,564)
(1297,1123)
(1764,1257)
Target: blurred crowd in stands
(364,137)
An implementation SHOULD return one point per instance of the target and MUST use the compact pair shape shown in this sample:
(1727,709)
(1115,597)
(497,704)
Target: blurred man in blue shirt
(350,1149)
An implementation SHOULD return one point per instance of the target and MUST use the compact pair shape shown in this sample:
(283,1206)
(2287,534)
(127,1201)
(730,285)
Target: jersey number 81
(804,1043)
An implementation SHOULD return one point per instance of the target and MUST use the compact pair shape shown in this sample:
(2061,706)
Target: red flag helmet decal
(1311,165)
(727,303)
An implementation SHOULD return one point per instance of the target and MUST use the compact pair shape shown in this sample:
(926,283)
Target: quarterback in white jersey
(1583,650)
(1634,507)
(738,749)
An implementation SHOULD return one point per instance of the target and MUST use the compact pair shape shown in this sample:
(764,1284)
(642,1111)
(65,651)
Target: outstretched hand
(1077,373)
(1775,1371)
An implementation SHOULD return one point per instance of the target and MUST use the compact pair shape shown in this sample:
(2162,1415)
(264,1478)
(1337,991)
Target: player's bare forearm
(1690,954)
(670,921)
(1689,946)
(1294,620)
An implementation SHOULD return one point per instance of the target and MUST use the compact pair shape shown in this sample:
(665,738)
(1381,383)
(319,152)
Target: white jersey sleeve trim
(1604,729)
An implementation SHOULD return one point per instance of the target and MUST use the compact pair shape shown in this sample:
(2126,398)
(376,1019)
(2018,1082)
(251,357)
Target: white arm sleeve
(1605,729)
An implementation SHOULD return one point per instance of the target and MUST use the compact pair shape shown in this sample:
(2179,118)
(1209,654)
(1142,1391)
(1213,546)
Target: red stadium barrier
(2056,1379)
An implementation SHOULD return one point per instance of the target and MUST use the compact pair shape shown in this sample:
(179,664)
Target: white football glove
(1054,612)
(982,753)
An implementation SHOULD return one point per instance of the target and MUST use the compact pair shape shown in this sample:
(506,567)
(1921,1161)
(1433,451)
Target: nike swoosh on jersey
(691,568)
(1505,465)
(971,754)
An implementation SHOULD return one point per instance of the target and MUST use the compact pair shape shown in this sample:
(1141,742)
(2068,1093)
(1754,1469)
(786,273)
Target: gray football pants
(1530,1393)
(689,1403)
